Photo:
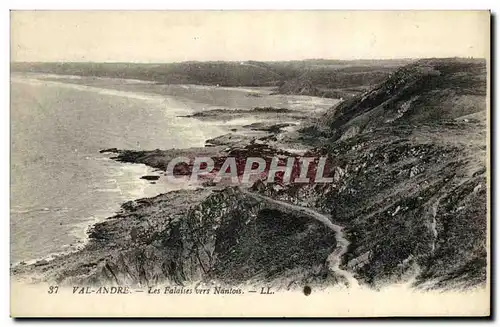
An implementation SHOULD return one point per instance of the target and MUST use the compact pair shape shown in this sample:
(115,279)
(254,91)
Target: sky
(173,36)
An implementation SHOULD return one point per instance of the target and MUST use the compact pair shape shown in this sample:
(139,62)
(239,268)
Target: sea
(60,183)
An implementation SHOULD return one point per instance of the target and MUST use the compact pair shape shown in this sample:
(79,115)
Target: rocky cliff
(410,180)
(185,237)
(408,161)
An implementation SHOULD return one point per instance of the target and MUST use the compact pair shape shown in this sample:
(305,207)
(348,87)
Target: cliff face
(227,238)
(411,201)
(426,92)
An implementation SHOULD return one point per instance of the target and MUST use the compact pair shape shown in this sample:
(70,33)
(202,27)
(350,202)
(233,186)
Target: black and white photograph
(250,163)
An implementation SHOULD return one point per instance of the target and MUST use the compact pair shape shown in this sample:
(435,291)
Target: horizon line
(247,60)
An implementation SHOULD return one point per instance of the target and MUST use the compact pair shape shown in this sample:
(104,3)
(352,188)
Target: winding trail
(334,259)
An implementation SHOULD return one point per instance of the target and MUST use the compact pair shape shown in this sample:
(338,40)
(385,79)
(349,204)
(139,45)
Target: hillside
(328,78)
(342,82)
(207,73)
(429,91)
(410,175)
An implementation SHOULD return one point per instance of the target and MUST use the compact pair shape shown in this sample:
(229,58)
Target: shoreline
(91,231)
(245,133)
(81,230)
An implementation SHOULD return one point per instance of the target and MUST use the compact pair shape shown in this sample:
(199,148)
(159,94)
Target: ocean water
(60,183)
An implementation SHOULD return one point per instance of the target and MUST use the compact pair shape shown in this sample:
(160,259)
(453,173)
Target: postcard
(250,163)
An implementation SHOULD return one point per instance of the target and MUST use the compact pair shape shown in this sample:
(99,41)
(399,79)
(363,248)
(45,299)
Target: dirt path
(334,259)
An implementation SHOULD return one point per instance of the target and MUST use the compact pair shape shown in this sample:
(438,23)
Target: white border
(255,4)
(191,5)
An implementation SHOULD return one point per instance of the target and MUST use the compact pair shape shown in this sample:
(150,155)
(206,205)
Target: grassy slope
(428,91)
(327,77)
(411,177)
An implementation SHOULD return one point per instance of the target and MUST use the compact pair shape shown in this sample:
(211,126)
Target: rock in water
(150,177)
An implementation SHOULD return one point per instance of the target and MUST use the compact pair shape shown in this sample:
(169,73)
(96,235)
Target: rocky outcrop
(227,237)
(429,91)
(408,203)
